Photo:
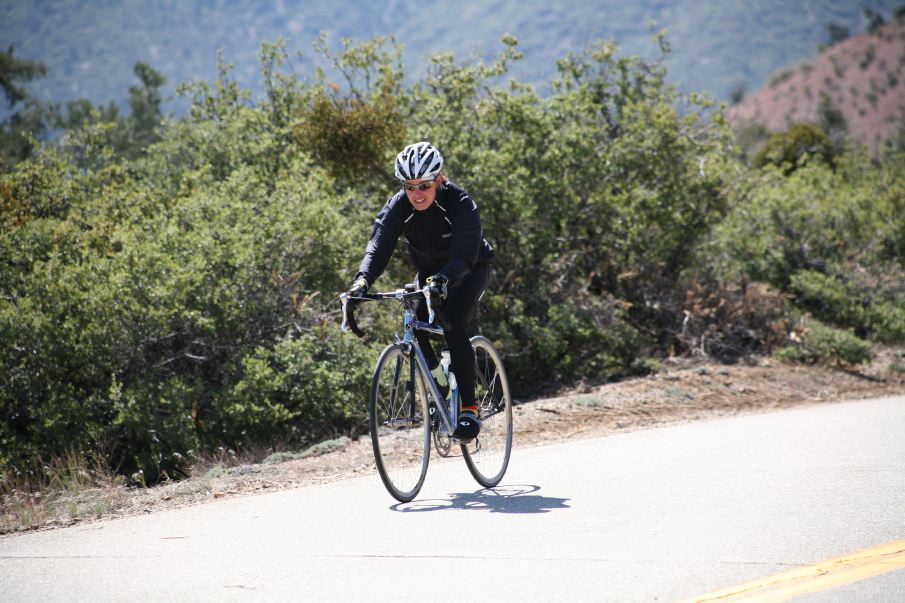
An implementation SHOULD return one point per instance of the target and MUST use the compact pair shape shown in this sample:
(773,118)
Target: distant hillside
(90,47)
(862,78)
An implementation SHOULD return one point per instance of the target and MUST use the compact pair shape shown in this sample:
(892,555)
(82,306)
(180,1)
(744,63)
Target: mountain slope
(717,44)
(862,78)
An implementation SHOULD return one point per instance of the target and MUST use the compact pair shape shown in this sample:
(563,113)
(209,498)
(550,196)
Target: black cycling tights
(458,311)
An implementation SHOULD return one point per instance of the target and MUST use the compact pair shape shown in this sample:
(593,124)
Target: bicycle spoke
(489,458)
(400,435)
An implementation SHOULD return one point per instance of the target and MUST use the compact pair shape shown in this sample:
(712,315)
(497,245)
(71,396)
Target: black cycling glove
(438,284)
(358,288)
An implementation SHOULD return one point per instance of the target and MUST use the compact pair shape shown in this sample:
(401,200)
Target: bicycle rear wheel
(490,457)
(400,435)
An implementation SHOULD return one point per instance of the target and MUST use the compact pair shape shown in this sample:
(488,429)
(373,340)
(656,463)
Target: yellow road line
(815,577)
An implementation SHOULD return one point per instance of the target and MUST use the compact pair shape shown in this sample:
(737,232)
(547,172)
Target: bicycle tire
(400,435)
(489,462)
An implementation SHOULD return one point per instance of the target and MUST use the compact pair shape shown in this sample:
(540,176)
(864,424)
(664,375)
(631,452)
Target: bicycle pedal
(476,441)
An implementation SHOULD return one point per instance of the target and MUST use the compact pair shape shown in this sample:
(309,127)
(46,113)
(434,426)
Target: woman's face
(423,195)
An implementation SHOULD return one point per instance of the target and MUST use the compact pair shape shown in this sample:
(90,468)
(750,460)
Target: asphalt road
(656,515)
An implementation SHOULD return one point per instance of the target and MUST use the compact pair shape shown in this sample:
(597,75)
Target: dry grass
(65,490)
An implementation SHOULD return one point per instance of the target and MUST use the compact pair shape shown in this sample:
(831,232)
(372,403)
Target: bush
(129,311)
(305,388)
(832,299)
(790,149)
(818,342)
(790,355)
(589,340)
(357,132)
(830,238)
(605,180)
(157,307)
(827,298)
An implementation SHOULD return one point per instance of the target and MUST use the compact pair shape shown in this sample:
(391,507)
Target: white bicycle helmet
(419,161)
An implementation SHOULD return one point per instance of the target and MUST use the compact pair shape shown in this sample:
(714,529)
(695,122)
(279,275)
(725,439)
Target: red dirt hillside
(863,78)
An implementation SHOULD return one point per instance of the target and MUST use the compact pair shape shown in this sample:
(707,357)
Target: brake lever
(344,298)
(426,291)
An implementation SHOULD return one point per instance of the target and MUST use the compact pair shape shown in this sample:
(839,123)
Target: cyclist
(442,228)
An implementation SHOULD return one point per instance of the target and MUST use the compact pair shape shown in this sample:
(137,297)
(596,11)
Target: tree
(874,20)
(832,120)
(14,70)
(143,123)
(357,130)
(790,148)
(127,136)
(738,93)
(18,133)
(837,32)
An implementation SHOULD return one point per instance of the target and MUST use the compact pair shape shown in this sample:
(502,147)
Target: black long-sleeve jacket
(446,237)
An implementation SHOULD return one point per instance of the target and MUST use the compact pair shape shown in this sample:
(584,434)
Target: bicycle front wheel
(400,435)
(489,458)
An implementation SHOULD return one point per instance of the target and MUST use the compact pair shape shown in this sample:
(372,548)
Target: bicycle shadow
(502,499)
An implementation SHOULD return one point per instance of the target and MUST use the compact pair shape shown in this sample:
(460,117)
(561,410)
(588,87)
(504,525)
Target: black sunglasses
(418,187)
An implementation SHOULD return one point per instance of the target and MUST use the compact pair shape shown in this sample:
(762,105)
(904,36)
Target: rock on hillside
(862,77)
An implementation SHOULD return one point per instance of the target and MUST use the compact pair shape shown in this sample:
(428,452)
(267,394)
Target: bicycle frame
(449,410)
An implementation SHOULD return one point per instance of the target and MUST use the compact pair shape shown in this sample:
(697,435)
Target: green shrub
(155,308)
(831,300)
(790,355)
(827,298)
(304,388)
(833,239)
(818,342)
(125,317)
(151,434)
(842,347)
(789,149)
(571,341)
(898,364)
(359,131)
(887,321)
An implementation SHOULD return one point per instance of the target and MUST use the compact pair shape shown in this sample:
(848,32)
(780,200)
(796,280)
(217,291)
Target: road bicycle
(408,410)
